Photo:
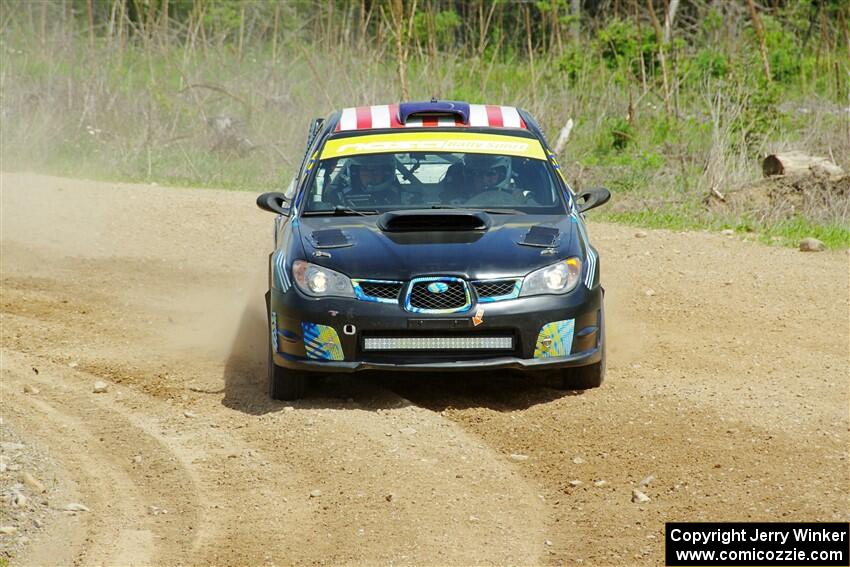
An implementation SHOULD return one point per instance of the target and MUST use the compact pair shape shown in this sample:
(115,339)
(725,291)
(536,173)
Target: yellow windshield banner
(432,142)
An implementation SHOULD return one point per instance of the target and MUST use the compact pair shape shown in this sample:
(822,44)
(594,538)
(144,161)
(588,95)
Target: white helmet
(377,162)
(493,171)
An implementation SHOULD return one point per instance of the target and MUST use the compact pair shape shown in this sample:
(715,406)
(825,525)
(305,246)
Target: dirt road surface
(728,386)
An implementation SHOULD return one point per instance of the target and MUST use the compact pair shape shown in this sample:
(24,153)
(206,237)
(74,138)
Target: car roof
(432,114)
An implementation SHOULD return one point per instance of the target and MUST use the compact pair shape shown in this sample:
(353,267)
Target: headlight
(557,278)
(318,281)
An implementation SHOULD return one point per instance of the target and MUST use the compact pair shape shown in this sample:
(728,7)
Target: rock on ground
(639,497)
(646,481)
(33,483)
(811,245)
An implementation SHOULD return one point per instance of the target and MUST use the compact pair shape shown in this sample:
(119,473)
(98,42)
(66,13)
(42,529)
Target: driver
(368,180)
(490,182)
(487,173)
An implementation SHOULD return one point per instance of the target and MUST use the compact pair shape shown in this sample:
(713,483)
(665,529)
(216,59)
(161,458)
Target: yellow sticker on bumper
(555,339)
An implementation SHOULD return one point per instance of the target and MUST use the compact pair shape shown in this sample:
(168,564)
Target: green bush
(574,62)
(783,51)
(712,22)
(444,25)
(621,44)
(622,133)
(710,63)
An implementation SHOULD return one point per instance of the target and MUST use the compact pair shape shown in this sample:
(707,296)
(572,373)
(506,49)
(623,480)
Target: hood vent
(427,220)
(329,238)
(540,236)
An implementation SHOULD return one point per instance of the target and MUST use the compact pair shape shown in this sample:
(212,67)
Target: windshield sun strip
(436,142)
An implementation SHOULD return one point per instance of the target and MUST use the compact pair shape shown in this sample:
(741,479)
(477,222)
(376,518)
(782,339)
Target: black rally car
(432,236)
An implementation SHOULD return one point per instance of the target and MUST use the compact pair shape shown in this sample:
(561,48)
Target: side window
(327,179)
(533,179)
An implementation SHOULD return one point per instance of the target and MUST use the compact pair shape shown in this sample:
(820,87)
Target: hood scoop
(540,237)
(428,220)
(330,238)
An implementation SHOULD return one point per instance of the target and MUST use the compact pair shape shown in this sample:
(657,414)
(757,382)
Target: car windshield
(372,183)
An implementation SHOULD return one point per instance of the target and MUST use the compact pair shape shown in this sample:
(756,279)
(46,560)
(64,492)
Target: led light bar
(438,343)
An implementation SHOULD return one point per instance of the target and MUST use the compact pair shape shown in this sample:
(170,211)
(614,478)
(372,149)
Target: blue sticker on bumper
(321,342)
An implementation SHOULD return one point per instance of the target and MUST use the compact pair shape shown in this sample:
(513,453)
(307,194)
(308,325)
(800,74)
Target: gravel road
(726,399)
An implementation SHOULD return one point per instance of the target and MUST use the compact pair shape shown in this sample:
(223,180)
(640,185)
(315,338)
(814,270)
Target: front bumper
(294,317)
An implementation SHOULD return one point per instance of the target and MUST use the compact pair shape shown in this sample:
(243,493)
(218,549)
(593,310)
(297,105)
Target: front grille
(454,298)
(381,290)
(495,288)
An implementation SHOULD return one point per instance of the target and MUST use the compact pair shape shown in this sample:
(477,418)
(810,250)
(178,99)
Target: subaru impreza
(432,236)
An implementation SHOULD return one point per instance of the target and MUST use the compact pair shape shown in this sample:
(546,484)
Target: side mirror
(274,203)
(591,198)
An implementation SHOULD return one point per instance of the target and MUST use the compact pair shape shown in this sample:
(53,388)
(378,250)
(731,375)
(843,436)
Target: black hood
(365,251)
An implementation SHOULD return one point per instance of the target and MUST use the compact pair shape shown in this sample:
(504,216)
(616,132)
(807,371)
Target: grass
(185,167)
(785,233)
(791,232)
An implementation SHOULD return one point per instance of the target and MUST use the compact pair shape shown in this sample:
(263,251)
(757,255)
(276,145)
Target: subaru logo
(438,287)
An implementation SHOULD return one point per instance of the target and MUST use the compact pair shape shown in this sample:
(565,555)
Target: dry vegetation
(669,106)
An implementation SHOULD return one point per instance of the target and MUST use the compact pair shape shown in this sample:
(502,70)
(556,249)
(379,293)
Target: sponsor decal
(434,145)
(465,142)
(321,342)
(478,318)
(312,161)
(555,339)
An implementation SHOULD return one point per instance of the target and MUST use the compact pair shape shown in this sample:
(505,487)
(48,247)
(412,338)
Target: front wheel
(583,377)
(285,383)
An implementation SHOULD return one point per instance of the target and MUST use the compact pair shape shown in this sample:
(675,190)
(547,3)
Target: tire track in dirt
(399,483)
(188,467)
(95,445)
(388,472)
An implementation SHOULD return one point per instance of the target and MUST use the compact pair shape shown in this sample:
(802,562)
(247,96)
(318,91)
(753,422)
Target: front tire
(583,377)
(586,377)
(285,383)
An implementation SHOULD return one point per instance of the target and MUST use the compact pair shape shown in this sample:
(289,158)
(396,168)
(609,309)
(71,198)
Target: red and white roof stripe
(386,116)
